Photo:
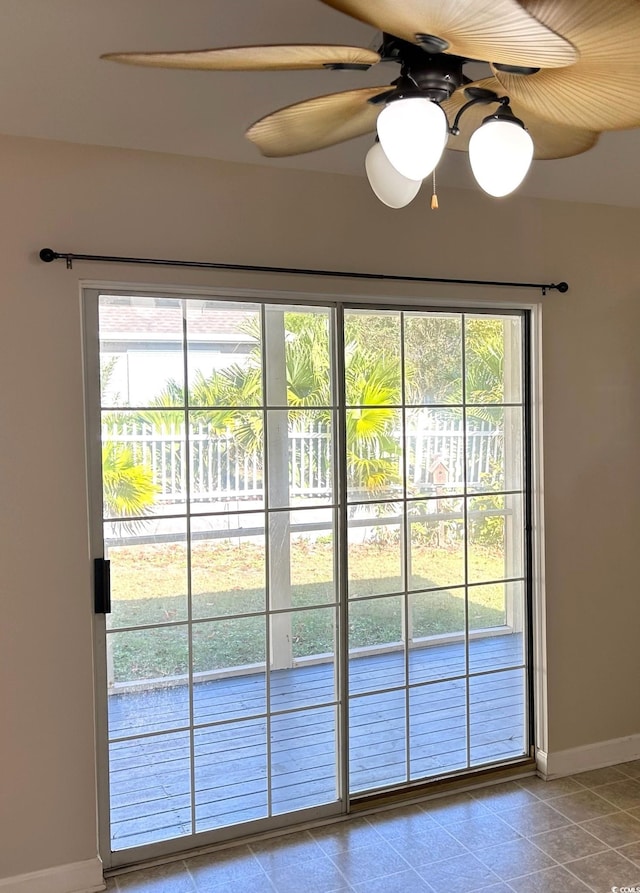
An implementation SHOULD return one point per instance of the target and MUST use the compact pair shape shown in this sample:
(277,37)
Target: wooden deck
(150,777)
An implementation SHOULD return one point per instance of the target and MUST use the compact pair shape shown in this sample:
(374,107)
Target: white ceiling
(54,86)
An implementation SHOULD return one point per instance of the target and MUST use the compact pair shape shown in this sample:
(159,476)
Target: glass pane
(136,367)
(148,672)
(143,464)
(438,634)
(304,572)
(300,456)
(377,736)
(230,773)
(150,789)
(436,529)
(487,606)
(372,358)
(432,358)
(237,643)
(375,549)
(217,696)
(303,658)
(224,355)
(148,572)
(438,728)
(229,679)
(226,450)
(494,449)
(301,561)
(299,356)
(314,634)
(497,716)
(495,539)
(376,646)
(496,605)
(227,565)
(303,759)
(493,359)
(374,454)
(434,441)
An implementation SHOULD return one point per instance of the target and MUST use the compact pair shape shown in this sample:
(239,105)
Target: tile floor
(572,835)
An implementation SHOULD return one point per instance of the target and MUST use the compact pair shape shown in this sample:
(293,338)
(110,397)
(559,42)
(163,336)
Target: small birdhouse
(439,472)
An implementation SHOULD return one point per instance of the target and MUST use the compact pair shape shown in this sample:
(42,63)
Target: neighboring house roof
(126,321)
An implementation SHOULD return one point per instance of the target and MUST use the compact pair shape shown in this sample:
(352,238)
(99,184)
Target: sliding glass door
(436,585)
(314,520)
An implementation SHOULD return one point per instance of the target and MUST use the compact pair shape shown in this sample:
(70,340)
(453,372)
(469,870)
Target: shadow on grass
(220,642)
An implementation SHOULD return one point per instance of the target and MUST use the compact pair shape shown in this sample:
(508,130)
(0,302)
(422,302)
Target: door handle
(102,586)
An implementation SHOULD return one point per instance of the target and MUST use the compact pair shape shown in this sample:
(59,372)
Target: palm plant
(372,385)
(307,360)
(225,402)
(484,363)
(128,487)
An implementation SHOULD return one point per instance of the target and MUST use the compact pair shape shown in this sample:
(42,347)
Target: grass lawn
(149,585)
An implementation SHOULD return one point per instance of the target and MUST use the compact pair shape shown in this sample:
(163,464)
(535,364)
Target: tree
(225,401)
(371,381)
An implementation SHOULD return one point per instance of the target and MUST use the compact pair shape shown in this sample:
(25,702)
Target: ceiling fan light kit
(500,154)
(413,132)
(551,62)
(393,190)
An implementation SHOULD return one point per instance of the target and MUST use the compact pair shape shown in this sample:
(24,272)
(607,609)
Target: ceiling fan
(562,71)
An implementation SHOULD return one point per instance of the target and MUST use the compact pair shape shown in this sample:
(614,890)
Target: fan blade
(602,90)
(257,58)
(550,140)
(497,30)
(317,123)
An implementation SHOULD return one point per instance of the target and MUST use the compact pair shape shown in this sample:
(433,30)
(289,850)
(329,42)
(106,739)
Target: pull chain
(434,195)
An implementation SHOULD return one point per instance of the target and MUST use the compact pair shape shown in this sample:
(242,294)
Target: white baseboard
(541,764)
(78,877)
(591,756)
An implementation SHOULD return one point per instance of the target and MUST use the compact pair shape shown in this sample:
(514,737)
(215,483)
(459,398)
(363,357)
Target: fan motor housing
(435,76)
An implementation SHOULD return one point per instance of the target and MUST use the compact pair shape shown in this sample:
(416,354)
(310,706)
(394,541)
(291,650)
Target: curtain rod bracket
(48,255)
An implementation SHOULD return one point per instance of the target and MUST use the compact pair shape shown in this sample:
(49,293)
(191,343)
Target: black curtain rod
(48,255)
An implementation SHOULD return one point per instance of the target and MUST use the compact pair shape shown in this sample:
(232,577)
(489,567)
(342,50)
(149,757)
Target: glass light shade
(391,187)
(413,133)
(500,153)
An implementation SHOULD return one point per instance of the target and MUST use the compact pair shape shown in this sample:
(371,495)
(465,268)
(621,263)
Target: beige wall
(107,201)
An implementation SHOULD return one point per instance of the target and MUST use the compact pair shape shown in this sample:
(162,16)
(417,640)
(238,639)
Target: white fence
(220,469)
